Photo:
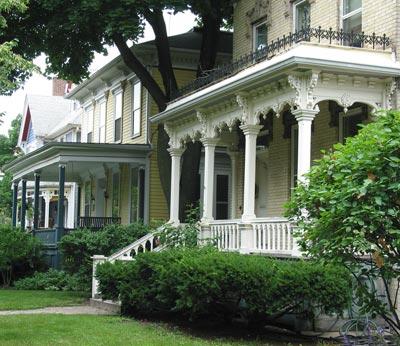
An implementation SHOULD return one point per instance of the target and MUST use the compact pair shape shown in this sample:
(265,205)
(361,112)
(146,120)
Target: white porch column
(233,156)
(304,119)
(176,154)
(250,132)
(46,198)
(208,188)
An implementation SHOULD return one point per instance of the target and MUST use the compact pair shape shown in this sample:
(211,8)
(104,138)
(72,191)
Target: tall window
(117,116)
(89,136)
(260,35)
(349,123)
(302,19)
(88,197)
(352,16)
(102,123)
(294,154)
(137,194)
(115,194)
(136,109)
(222,197)
(68,137)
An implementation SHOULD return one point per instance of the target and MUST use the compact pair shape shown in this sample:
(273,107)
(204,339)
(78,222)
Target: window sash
(116,194)
(102,120)
(301,19)
(260,39)
(350,12)
(117,129)
(118,105)
(136,110)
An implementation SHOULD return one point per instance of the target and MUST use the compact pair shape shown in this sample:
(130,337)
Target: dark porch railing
(330,36)
(97,222)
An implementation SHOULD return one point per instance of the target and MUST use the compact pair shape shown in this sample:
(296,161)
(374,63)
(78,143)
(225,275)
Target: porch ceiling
(79,159)
(305,56)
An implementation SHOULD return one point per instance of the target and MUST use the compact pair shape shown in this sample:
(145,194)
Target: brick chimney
(61,87)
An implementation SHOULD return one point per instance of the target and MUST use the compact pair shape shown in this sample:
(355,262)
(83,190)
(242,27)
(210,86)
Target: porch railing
(97,222)
(273,236)
(226,234)
(284,43)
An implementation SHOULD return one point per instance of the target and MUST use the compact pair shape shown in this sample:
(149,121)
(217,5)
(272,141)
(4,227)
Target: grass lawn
(102,330)
(23,300)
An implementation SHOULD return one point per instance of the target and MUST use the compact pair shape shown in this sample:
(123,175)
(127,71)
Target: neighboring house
(111,158)
(285,98)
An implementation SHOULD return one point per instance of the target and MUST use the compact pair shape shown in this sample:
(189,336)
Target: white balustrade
(273,236)
(226,235)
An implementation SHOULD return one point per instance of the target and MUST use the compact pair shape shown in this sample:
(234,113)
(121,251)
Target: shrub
(353,212)
(79,246)
(199,283)
(52,280)
(20,253)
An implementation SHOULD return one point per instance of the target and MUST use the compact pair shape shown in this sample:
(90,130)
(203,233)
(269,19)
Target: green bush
(79,246)
(353,212)
(20,254)
(199,283)
(52,280)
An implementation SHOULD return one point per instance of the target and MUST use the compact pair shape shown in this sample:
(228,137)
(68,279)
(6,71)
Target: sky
(40,85)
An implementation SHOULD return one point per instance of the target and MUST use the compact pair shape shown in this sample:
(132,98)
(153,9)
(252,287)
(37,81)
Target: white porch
(299,95)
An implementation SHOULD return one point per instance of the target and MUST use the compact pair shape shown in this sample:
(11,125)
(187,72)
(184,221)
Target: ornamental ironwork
(267,52)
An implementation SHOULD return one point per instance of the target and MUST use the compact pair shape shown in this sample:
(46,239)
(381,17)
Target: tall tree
(14,69)
(71,31)
(8,152)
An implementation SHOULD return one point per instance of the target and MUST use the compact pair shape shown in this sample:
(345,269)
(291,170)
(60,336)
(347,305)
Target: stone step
(107,305)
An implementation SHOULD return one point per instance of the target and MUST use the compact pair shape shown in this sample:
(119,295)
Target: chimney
(61,87)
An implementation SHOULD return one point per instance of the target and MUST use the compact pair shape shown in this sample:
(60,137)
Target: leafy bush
(353,211)
(79,246)
(198,283)
(20,253)
(52,280)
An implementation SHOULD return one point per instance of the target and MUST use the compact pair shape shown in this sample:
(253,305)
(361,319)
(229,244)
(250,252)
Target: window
(222,197)
(115,194)
(89,136)
(349,123)
(260,34)
(102,123)
(134,194)
(118,116)
(136,109)
(301,16)
(78,136)
(352,17)
(88,197)
(68,137)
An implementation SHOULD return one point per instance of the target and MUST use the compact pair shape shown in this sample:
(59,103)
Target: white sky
(39,85)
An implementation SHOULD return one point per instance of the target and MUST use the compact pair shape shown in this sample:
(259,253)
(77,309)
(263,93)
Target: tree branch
(141,72)
(156,20)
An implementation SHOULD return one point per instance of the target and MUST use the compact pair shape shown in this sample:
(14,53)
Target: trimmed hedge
(199,283)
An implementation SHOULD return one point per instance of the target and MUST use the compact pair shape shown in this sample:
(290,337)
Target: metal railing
(97,222)
(319,35)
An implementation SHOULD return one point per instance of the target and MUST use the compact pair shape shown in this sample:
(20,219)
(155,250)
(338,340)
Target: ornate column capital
(176,152)
(249,129)
(209,142)
(305,114)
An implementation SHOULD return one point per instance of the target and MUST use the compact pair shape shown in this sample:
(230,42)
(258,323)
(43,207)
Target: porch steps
(106,305)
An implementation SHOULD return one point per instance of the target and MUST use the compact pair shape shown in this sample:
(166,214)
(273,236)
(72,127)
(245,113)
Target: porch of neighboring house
(78,185)
(262,123)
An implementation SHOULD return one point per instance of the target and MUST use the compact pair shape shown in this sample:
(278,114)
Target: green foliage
(185,235)
(79,246)
(14,69)
(205,283)
(52,280)
(353,210)
(19,253)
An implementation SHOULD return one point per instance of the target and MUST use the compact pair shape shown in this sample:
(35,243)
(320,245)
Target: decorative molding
(390,88)
(304,85)
(346,101)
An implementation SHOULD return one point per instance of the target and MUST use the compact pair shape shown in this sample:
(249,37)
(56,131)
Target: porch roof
(302,57)
(79,158)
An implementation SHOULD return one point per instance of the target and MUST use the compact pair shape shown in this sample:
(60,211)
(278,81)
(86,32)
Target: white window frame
(136,110)
(255,26)
(118,93)
(102,121)
(295,5)
(350,14)
(70,133)
(90,122)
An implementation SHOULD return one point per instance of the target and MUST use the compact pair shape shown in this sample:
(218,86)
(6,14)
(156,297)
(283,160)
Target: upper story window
(260,35)
(301,15)
(89,132)
(68,137)
(117,116)
(102,122)
(136,109)
(352,16)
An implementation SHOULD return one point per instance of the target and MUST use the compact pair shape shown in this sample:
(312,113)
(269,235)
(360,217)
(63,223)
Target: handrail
(340,37)
(128,249)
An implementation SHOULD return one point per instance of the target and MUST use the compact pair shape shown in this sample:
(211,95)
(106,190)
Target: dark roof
(192,40)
